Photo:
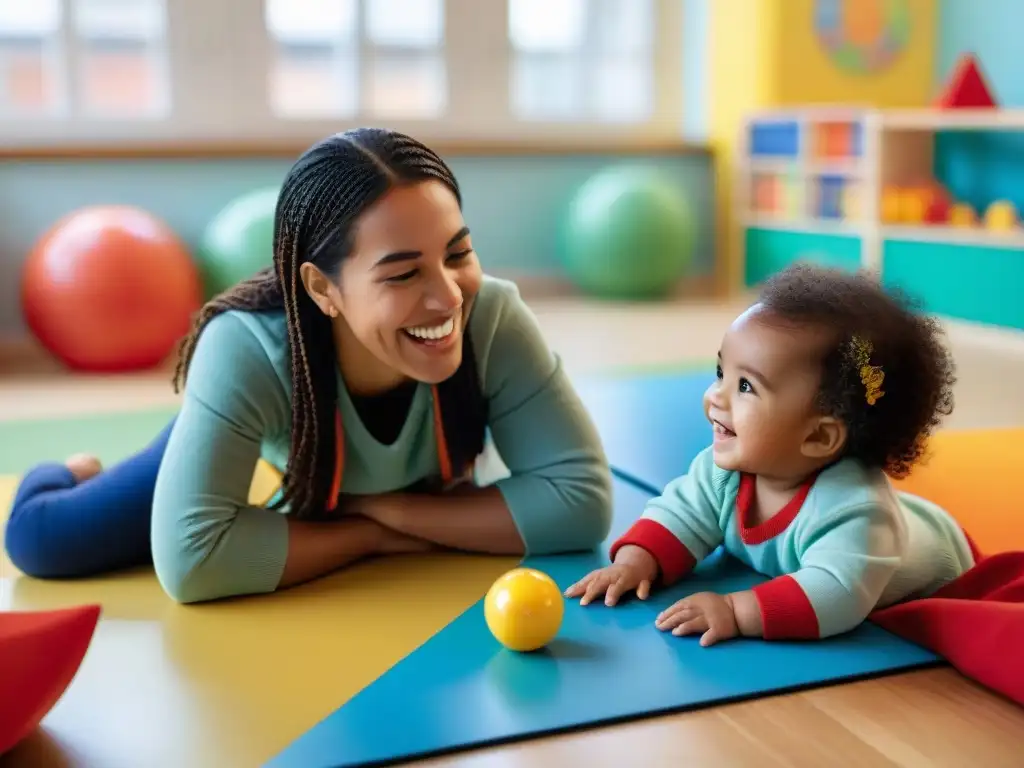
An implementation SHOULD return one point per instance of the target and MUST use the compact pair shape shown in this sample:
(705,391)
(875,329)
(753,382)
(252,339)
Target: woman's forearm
(318,548)
(467,517)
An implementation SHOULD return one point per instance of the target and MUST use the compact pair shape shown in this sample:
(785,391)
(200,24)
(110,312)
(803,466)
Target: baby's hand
(634,568)
(706,613)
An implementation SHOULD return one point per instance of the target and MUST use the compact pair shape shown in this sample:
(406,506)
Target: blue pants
(59,528)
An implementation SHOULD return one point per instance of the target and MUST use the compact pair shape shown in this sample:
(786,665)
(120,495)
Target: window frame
(220,103)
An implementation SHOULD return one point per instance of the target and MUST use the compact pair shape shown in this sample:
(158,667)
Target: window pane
(409,23)
(624,26)
(623,90)
(120,19)
(547,87)
(29,57)
(314,82)
(120,69)
(121,79)
(311,21)
(28,78)
(408,86)
(29,18)
(547,25)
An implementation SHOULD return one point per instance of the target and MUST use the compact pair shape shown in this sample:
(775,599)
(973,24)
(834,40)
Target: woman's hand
(634,568)
(706,613)
(466,518)
(379,514)
(393,542)
(381,508)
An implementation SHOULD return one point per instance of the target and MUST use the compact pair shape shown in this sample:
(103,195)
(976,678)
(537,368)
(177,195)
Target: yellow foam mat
(234,682)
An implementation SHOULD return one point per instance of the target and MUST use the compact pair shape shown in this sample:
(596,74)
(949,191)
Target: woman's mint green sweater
(209,542)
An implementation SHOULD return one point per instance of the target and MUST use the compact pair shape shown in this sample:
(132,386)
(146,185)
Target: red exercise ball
(110,289)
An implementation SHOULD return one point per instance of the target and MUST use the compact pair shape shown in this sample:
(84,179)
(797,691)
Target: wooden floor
(921,719)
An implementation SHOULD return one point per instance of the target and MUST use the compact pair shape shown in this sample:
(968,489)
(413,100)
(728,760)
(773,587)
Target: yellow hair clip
(871,376)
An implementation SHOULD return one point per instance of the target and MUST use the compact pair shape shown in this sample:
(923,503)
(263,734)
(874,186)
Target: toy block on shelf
(967,87)
(775,138)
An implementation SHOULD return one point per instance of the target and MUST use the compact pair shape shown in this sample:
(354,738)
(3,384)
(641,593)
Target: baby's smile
(722,432)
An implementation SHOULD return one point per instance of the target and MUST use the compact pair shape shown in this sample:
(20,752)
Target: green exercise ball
(629,234)
(238,241)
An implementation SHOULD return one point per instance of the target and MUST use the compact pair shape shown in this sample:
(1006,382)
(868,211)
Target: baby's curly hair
(903,342)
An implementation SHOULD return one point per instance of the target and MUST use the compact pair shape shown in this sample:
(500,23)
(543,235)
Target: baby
(826,387)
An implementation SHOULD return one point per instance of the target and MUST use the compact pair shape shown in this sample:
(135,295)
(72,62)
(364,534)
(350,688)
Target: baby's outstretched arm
(683,525)
(677,529)
(845,567)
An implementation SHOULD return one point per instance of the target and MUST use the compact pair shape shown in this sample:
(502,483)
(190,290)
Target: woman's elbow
(184,588)
(586,518)
(594,510)
(179,567)
(216,561)
(185,582)
(204,583)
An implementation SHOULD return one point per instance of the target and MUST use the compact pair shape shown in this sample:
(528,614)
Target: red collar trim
(769,529)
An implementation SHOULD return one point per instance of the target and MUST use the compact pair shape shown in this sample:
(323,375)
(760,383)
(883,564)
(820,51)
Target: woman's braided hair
(321,199)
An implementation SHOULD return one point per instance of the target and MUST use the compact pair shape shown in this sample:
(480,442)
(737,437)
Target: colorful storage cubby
(776,193)
(967,281)
(775,249)
(780,138)
(873,190)
(805,170)
(764,198)
(835,197)
(837,140)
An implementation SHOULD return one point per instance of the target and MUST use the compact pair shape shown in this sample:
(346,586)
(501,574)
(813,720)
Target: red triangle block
(966,88)
(40,653)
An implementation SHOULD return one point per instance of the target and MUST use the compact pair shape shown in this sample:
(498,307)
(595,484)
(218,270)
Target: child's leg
(62,528)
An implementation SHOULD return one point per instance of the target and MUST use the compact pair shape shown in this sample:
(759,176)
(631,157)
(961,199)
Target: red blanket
(976,623)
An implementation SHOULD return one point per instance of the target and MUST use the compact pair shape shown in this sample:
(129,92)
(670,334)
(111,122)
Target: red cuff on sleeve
(786,612)
(673,558)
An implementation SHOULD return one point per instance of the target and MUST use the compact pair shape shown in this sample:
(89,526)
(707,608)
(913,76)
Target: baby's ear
(825,439)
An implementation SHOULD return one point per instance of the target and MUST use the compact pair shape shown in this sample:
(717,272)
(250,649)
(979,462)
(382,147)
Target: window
(121,61)
(31,62)
(582,59)
(108,60)
(407,70)
(342,58)
(95,73)
(314,71)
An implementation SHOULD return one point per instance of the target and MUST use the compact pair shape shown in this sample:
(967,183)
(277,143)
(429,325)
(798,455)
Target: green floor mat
(109,436)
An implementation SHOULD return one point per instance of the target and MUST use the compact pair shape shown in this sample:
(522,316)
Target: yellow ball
(962,215)
(913,206)
(524,609)
(892,205)
(1001,215)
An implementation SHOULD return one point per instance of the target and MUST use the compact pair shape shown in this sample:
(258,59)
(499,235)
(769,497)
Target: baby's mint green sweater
(210,542)
(847,544)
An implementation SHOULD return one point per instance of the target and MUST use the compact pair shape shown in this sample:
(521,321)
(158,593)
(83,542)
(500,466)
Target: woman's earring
(333,311)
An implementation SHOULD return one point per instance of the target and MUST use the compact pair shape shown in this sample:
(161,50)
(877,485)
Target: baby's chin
(725,458)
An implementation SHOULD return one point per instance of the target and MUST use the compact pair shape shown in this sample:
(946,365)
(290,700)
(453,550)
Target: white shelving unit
(824,171)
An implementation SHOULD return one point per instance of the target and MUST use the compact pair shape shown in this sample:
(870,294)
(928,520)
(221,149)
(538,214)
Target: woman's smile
(437,336)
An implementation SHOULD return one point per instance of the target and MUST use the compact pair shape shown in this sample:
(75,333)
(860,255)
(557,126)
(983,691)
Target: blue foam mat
(462,690)
(652,426)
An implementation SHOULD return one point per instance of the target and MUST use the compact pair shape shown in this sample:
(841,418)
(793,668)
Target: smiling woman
(368,364)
